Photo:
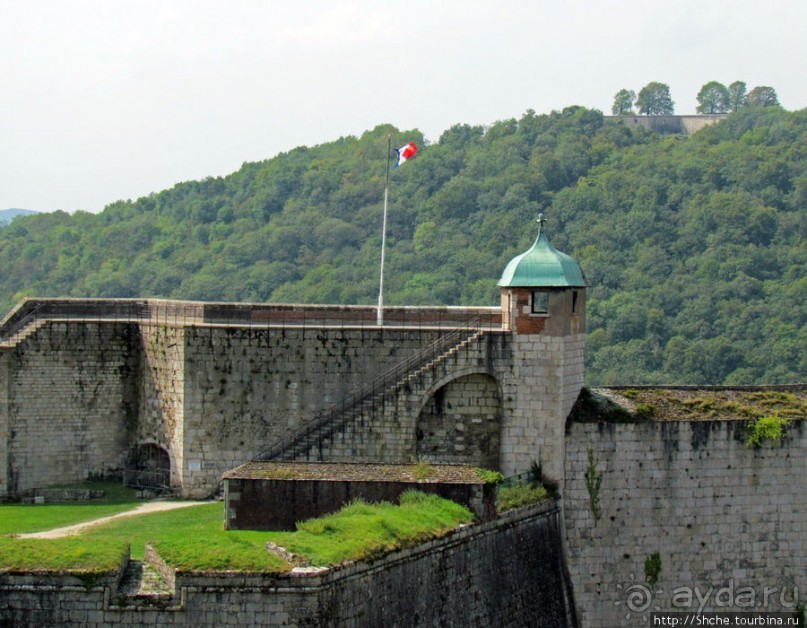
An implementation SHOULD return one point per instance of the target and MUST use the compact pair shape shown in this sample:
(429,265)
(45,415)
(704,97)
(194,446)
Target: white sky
(103,100)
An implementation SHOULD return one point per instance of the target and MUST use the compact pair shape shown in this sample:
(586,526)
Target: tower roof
(542,265)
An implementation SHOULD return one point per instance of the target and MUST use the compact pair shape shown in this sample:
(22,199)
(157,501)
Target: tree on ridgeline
(738,96)
(654,100)
(763,96)
(623,102)
(693,245)
(714,97)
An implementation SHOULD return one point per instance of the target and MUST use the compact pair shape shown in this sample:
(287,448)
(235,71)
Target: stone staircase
(355,433)
(22,333)
(141,586)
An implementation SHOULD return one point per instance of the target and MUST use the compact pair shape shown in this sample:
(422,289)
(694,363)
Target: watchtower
(543,296)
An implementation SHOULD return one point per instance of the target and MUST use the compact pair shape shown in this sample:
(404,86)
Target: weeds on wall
(593,483)
(652,568)
(488,476)
(766,428)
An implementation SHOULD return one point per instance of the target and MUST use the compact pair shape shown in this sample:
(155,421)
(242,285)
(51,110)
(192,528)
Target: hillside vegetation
(694,246)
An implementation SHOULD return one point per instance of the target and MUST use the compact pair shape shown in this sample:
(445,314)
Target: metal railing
(12,333)
(380,384)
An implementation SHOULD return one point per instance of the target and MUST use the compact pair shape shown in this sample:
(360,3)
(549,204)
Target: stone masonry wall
(462,423)
(573,371)
(385,428)
(214,396)
(476,576)
(161,392)
(5,385)
(537,399)
(727,522)
(70,408)
(247,387)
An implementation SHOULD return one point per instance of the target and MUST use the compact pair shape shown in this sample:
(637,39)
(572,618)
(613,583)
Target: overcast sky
(103,100)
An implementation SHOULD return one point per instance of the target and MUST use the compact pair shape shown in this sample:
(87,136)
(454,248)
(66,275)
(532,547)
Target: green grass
(66,554)
(193,538)
(19,518)
(361,531)
(520,495)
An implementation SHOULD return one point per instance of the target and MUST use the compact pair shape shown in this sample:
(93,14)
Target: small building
(543,291)
(276,495)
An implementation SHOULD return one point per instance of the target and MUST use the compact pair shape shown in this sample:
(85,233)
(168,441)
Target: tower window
(575,293)
(540,302)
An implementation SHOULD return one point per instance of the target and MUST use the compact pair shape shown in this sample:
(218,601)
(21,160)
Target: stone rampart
(477,576)
(70,403)
(671,125)
(246,387)
(205,387)
(728,523)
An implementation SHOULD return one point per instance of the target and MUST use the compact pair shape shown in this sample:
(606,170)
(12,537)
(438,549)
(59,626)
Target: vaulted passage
(148,466)
(461,423)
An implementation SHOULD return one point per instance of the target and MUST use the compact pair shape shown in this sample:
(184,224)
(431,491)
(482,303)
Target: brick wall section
(477,576)
(70,403)
(720,515)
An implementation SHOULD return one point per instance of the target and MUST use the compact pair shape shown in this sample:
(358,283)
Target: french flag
(405,152)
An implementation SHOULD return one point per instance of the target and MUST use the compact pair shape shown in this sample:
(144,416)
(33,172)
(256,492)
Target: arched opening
(461,423)
(148,467)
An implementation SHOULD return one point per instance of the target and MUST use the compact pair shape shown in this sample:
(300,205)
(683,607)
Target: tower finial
(540,220)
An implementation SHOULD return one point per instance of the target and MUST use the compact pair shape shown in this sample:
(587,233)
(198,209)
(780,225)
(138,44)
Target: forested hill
(694,247)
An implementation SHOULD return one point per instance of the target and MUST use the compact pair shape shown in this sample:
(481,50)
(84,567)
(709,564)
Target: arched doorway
(461,423)
(148,467)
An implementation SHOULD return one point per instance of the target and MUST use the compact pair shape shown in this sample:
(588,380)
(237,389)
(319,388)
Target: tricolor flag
(405,152)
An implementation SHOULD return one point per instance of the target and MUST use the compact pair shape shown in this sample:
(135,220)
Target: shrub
(765,428)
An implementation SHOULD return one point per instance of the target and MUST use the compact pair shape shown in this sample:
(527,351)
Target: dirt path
(142,509)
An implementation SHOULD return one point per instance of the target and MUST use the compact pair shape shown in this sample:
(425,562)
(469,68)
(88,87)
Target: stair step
(142,585)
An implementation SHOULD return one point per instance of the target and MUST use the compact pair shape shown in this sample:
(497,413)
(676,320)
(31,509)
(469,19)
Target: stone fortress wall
(672,125)
(728,522)
(84,383)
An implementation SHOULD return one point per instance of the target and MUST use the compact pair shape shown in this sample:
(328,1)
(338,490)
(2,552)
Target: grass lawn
(363,531)
(20,518)
(194,538)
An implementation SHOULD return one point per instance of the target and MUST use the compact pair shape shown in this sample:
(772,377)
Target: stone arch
(148,466)
(460,421)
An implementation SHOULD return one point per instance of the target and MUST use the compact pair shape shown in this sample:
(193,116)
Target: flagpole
(380,312)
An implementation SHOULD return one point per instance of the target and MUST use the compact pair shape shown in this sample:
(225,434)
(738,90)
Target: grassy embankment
(194,538)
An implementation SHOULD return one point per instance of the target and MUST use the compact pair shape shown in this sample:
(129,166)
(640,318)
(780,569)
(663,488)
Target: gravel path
(142,509)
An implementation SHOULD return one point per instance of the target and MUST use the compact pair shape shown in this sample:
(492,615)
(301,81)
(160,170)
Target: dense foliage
(694,246)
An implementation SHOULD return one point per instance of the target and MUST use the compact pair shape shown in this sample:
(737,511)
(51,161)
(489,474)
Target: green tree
(693,246)
(762,96)
(623,102)
(738,96)
(654,100)
(714,97)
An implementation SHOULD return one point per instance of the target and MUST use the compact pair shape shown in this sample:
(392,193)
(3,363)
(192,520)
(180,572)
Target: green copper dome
(543,265)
